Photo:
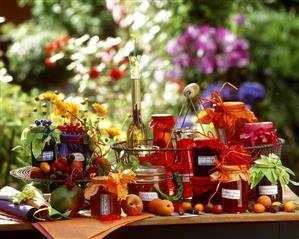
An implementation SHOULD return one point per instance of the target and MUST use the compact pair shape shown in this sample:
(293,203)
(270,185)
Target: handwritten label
(268,190)
(206,160)
(148,196)
(46,156)
(78,156)
(105,204)
(186,177)
(231,194)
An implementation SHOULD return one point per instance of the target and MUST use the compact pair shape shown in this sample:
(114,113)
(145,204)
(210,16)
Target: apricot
(154,204)
(289,206)
(265,200)
(259,208)
(165,208)
(199,208)
(187,206)
(45,167)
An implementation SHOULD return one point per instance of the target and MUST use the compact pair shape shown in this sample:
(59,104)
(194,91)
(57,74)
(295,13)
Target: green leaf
(37,147)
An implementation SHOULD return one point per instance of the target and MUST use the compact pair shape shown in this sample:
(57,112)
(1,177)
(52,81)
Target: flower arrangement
(82,135)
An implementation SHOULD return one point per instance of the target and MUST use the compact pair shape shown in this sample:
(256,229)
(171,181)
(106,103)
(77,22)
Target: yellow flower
(100,109)
(50,96)
(112,132)
(60,107)
(72,110)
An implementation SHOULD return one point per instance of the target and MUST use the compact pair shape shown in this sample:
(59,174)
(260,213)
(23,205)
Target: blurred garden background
(81,48)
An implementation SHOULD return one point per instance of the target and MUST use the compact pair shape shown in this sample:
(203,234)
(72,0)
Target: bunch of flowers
(208,50)
(83,129)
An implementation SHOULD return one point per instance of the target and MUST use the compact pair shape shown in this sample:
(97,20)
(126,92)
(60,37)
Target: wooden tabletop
(6,225)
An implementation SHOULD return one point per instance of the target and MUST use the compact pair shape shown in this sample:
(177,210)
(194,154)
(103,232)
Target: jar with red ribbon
(204,152)
(258,133)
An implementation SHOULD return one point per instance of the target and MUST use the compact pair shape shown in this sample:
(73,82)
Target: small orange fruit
(187,206)
(199,208)
(166,208)
(154,204)
(265,200)
(45,167)
(289,206)
(259,208)
(77,164)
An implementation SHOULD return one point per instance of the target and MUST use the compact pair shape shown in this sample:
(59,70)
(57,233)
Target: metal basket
(265,149)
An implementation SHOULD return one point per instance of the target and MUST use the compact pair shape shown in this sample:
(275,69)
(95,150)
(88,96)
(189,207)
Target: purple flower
(176,73)
(251,92)
(185,124)
(239,20)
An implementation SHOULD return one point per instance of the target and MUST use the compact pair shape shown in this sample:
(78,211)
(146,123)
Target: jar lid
(257,125)
(184,132)
(161,116)
(99,179)
(150,171)
(234,105)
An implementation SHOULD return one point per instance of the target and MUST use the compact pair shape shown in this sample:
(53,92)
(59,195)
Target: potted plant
(267,176)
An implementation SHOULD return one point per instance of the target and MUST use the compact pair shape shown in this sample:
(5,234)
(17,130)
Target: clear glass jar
(147,179)
(104,203)
(234,196)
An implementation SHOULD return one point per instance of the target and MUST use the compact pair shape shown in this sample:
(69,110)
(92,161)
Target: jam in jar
(265,187)
(234,196)
(204,153)
(147,179)
(104,203)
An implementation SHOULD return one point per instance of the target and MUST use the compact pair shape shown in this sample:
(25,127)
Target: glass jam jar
(234,196)
(204,153)
(265,187)
(104,203)
(184,143)
(147,179)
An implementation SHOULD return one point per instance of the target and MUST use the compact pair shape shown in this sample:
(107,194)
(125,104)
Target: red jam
(104,203)
(234,196)
(147,179)
(204,152)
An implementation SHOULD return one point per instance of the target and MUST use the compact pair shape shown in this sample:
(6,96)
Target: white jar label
(186,177)
(206,160)
(231,194)
(148,196)
(105,204)
(268,190)
(46,156)
(78,156)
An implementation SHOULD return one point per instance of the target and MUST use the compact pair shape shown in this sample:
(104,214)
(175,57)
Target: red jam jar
(234,196)
(147,179)
(258,133)
(204,152)
(162,125)
(184,144)
(104,203)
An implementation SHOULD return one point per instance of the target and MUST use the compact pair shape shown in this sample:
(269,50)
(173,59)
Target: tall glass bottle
(136,133)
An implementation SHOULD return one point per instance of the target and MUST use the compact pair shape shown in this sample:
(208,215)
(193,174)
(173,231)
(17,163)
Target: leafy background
(271,28)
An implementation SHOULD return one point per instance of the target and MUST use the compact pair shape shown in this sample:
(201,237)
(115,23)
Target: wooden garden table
(280,225)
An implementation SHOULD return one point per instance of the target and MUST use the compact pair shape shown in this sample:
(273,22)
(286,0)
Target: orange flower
(50,96)
(72,110)
(100,109)
(112,132)
(60,108)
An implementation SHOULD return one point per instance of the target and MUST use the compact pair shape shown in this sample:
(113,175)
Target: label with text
(206,160)
(268,190)
(148,196)
(231,194)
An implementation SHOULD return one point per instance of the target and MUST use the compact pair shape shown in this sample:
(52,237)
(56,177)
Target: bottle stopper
(191,90)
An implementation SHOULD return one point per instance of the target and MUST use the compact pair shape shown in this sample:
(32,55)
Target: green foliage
(76,17)
(16,111)
(270,167)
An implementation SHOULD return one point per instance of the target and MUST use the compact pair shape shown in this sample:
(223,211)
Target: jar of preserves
(204,152)
(147,179)
(184,143)
(162,125)
(273,190)
(103,203)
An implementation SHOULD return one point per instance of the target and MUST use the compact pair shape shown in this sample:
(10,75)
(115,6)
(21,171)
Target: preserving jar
(265,187)
(184,143)
(234,196)
(147,179)
(104,203)
(204,152)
